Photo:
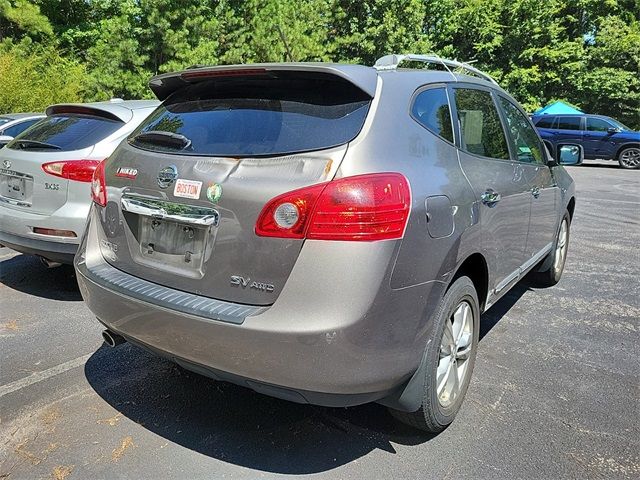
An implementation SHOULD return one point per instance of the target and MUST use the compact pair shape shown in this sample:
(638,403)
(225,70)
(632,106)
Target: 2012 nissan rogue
(322,233)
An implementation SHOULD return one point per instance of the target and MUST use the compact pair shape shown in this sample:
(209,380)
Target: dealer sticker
(187,188)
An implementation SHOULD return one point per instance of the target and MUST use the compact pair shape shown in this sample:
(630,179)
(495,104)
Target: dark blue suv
(601,137)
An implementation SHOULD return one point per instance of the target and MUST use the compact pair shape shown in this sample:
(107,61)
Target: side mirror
(4,139)
(570,154)
(612,130)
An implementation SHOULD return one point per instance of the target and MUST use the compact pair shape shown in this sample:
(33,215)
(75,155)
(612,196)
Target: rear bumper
(307,348)
(54,251)
(16,231)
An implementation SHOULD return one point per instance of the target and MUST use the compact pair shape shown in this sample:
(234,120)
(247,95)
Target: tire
(459,307)
(629,158)
(553,264)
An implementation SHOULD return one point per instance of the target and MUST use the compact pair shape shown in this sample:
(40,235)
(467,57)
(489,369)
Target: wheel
(553,265)
(629,158)
(450,356)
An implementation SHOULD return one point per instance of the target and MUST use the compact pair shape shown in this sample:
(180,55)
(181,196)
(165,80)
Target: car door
(597,140)
(528,152)
(502,192)
(568,129)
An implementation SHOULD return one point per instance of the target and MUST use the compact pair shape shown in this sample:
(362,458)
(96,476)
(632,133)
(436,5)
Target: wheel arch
(626,145)
(571,207)
(476,268)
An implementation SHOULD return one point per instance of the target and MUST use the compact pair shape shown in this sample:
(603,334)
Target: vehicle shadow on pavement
(27,274)
(492,316)
(236,425)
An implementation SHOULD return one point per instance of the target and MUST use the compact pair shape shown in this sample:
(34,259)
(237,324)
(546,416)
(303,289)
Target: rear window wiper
(26,144)
(159,137)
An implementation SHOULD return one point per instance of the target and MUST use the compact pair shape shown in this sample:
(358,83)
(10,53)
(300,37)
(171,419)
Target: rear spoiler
(365,78)
(110,111)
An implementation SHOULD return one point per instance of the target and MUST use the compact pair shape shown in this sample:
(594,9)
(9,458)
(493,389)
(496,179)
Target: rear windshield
(66,133)
(256,116)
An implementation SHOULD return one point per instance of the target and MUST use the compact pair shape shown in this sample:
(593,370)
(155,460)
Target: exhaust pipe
(49,264)
(112,339)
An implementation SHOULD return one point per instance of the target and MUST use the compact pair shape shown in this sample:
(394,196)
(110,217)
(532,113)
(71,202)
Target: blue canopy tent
(556,108)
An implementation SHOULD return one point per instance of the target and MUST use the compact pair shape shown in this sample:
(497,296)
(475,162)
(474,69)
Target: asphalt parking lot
(555,392)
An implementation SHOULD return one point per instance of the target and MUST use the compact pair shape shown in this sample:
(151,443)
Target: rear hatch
(68,134)
(187,187)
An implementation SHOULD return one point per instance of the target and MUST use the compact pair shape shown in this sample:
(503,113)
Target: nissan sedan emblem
(6,164)
(167,176)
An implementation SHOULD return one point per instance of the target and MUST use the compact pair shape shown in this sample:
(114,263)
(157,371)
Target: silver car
(322,233)
(13,124)
(46,172)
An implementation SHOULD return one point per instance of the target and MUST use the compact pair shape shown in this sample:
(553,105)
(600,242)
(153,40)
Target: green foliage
(33,77)
(585,52)
(19,17)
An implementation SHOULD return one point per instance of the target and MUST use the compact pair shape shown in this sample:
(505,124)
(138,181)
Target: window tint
(15,130)
(4,120)
(523,138)
(431,110)
(480,126)
(258,115)
(545,122)
(598,125)
(569,123)
(69,132)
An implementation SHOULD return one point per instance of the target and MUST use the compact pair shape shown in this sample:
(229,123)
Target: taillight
(99,186)
(78,170)
(365,207)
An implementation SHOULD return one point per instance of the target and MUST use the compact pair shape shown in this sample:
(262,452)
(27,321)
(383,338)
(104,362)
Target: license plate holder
(172,244)
(15,186)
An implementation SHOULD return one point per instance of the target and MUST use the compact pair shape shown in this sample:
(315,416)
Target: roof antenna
(439,58)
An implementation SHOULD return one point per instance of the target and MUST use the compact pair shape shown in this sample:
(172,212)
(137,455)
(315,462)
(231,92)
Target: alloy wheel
(561,246)
(630,158)
(455,350)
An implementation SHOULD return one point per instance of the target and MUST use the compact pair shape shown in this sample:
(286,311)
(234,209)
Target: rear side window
(545,122)
(598,125)
(261,115)
(480,126)
(65,133)
(431,110)
(16,130)
(568,123)
(523,138)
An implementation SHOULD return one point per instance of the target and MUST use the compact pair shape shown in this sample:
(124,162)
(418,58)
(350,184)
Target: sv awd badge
(238,281)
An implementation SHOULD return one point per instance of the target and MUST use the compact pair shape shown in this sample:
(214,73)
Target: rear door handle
(535,191)
(490,197)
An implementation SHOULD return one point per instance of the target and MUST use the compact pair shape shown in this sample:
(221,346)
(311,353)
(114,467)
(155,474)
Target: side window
(523,137)
(597,125)
(431,110)
(15,130)
(569,123)
(545,122)
(480,128)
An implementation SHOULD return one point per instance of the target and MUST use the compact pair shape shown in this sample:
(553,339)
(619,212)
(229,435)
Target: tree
(21,17)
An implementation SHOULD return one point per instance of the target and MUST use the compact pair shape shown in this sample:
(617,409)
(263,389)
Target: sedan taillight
(360,208)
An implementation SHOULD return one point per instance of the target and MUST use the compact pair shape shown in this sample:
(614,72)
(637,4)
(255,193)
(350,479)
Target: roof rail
(391,62)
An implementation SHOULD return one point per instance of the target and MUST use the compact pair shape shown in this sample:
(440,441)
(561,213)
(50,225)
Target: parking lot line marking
(43,375)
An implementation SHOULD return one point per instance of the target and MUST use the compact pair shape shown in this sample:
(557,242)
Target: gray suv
(322,233)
